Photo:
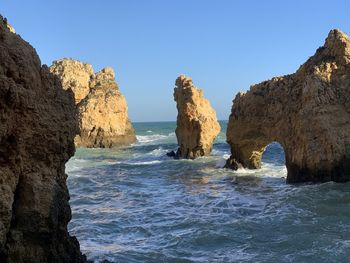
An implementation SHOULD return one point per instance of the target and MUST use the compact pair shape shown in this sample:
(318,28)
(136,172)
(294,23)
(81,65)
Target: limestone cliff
(307,112)
(197,125)
(103,111)
(103,114)
(37,130)
(74,75)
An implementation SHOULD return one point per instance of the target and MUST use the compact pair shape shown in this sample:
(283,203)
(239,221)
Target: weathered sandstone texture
(197,125)
(307,112)
(74,75)
(37,130)
(103,111)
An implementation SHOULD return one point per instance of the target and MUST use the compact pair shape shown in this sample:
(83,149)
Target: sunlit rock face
(307,112)
(37,129)
(74,75)
(12,30)
(197,125)
(103,111)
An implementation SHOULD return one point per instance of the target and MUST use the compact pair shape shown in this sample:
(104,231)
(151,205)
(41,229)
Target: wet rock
(171,154)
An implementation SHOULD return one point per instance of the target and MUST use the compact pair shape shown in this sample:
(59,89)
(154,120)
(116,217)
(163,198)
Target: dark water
(136,205)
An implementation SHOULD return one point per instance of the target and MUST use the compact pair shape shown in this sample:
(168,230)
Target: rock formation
(37,130)
(74,75)
(197,125)
(102,108)
(307,112)
(103,114)
(12,30)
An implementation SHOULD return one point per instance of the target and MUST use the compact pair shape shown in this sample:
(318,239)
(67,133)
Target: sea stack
(37,130)
(307,112)
(102,109)
(197,125)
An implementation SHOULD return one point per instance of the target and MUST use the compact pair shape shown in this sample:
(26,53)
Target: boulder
(37,129)
(307,112)
(197,125)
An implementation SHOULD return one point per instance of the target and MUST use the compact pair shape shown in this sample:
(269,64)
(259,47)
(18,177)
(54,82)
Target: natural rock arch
(307,112)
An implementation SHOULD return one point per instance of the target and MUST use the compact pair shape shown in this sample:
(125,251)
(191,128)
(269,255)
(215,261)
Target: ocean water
(136,205)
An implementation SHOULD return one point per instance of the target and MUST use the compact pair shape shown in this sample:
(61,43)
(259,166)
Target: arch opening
(274,154)
(252,153)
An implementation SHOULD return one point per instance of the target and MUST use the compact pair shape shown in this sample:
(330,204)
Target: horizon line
(159,121)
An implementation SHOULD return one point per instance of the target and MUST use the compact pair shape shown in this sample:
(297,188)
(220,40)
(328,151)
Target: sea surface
(137,205)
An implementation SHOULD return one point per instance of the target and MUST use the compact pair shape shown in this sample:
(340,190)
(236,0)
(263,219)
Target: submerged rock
(197,125)
(307,112)
(37,130)
(103,111)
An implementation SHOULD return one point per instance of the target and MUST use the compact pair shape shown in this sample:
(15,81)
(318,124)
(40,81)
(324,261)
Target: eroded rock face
(307,112)
(197,125)
(74,75)
(37,130)
(103,114)
(103,111)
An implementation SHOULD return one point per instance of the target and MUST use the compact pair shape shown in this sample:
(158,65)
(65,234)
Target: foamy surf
(144,139)
(138,205)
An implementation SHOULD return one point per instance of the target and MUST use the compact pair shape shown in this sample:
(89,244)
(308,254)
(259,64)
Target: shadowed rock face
(103,111)
(197,125)
(307,112)
(37,129)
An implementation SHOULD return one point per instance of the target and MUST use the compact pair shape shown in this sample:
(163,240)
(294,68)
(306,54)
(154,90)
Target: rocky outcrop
(103,114)
(103,111)
(307,112)
(12,30)
(197,125)
(37,130)
(74,75)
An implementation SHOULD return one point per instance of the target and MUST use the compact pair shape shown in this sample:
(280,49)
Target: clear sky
(225,46)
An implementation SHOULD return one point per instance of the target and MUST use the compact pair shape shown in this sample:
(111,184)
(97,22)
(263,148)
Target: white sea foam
(158,152)
(222,161)
(145,162)
(267,170)
(217,152)
(150,138)
(154,137)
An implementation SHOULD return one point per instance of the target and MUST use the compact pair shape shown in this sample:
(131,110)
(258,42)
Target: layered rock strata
(197,125)
(37,131)
(307,112)
(103,111)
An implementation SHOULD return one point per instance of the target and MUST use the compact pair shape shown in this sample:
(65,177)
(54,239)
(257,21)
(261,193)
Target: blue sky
(225,46)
